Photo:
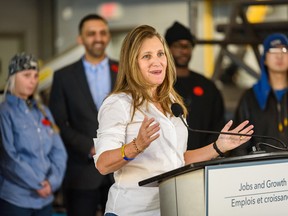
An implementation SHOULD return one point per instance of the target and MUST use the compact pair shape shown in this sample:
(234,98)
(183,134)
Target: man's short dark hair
(90,17)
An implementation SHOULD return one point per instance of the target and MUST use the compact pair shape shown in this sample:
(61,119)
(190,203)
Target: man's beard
(182,64)
(95,52)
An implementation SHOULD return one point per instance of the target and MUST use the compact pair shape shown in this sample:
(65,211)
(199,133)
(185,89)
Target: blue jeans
(110,214)
(8,209)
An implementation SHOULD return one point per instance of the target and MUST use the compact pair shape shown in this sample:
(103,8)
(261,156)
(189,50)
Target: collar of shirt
(94,67)
(18,102)
(99,80)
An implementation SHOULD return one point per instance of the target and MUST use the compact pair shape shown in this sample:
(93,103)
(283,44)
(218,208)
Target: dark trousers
(85,202)
(8,209)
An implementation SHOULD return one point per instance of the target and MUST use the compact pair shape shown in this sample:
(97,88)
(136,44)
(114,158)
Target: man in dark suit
(77,93)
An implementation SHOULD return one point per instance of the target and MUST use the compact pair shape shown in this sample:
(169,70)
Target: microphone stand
(178,112)
(255,149)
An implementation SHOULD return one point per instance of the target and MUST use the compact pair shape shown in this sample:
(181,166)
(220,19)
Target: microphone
(178,112)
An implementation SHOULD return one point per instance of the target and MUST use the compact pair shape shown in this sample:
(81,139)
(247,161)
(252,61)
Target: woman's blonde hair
(130,79)
(10,85)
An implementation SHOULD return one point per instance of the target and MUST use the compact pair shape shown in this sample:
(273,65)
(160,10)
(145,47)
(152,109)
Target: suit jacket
(75,113)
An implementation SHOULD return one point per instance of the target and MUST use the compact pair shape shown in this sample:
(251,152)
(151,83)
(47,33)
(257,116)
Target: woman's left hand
(228,142)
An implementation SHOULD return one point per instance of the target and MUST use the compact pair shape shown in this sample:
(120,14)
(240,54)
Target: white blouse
(164,154)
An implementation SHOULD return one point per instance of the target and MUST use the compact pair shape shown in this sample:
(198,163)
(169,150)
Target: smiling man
(77,93)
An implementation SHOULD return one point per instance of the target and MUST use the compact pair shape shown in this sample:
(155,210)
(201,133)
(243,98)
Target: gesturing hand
(147,133)
(229,142)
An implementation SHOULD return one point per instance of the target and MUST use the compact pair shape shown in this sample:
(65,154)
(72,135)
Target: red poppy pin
(198,91)
(114,68)
(46,122)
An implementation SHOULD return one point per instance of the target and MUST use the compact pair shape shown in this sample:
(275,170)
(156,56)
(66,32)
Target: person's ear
(79,40)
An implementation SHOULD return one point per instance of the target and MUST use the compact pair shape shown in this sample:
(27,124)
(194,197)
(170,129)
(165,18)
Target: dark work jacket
(205,106)
(265,121)
(75,113)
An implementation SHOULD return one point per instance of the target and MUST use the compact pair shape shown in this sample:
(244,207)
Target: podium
(254,184)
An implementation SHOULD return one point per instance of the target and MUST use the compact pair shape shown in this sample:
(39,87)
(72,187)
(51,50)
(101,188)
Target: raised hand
(147,133)
(229,142)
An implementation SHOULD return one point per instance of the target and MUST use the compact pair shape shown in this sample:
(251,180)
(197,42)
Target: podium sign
(252,188)
(249,185)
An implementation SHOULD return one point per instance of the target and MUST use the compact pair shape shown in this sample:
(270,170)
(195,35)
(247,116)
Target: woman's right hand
(148,132)
(112,160)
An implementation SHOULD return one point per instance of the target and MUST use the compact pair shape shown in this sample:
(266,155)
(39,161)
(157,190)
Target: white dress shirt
(164,154)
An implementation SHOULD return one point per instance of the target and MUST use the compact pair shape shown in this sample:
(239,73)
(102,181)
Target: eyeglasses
(278,50)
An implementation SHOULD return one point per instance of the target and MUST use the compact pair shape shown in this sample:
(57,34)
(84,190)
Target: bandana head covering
(21,62)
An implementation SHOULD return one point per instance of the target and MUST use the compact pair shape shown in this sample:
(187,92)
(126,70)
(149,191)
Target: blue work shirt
(99,80)
(30,152)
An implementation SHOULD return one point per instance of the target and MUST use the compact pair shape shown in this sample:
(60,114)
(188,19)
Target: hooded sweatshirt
(265,108)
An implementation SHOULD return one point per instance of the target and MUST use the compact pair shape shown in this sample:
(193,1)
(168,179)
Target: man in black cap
(203,100)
